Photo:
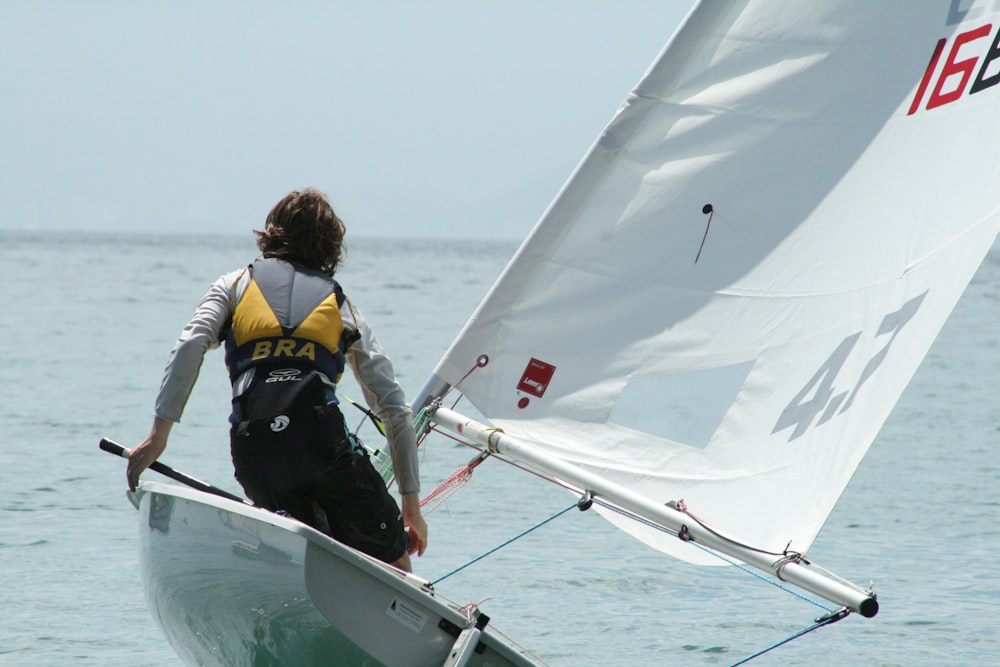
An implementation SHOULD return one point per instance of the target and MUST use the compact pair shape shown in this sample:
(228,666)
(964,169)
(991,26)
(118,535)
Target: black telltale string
(708,210)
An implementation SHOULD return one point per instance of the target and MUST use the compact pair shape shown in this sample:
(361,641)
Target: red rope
(461,476)
(452,483)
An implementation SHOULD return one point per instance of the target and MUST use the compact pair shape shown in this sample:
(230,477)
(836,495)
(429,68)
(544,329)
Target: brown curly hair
(303,228)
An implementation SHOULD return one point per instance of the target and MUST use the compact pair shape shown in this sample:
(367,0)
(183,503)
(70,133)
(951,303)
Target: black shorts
(304,463)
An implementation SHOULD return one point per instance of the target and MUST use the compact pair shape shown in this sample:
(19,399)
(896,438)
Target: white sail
(732,290)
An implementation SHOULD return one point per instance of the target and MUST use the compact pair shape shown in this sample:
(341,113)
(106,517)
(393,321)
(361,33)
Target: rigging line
(457,480)
(422,421)
(790,556)
(422,425)
(452,483)
(783,558)
(481,362)
(742,566)
(501,546)
(371,415)
(830,618)
(515,464)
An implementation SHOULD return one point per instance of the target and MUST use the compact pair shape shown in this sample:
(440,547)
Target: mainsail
(730,293)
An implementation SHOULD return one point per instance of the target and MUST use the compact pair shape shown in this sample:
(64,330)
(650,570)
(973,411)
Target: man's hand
(147,451)
(415,524)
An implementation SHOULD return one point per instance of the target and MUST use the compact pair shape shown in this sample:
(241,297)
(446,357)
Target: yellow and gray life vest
(289,316)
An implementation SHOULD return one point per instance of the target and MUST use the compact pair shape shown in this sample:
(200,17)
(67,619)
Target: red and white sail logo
(536,377)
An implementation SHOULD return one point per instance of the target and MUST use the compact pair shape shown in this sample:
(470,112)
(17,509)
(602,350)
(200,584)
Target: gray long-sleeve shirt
(369,362)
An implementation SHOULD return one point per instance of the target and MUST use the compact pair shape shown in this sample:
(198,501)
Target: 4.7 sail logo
(968,57)
(820,397)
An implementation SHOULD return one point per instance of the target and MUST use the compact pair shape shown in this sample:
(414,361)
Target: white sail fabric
(744,359)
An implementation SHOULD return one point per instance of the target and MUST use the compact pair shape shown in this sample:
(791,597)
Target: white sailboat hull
(230,584)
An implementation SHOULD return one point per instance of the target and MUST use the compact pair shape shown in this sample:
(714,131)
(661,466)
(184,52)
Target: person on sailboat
(289,332)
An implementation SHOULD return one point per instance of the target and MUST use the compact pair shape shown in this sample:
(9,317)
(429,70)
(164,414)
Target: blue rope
(495,549)
(831,617)
(826,620)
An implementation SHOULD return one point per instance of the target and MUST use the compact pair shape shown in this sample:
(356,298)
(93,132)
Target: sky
(430,119)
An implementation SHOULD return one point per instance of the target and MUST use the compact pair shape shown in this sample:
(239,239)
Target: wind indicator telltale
(708,210)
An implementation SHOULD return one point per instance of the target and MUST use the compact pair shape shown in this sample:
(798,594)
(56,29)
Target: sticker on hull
(407,614)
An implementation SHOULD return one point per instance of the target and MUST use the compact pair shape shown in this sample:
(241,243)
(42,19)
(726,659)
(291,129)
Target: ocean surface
(87,325)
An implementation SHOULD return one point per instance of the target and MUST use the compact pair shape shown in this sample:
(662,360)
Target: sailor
(289,333)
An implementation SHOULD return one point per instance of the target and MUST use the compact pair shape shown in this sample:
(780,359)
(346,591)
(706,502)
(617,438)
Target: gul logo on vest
(283,375)
(280,423)
(284,347)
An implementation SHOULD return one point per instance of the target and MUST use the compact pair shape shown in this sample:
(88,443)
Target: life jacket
(288,317)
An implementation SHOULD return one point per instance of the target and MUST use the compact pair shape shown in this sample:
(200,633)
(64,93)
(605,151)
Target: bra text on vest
(284,347)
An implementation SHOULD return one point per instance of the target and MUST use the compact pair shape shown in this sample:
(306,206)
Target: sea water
(85,329)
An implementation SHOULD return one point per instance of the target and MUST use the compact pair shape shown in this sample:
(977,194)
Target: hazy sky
(419,119)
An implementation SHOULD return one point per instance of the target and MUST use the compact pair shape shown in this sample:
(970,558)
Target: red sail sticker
(536,377)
